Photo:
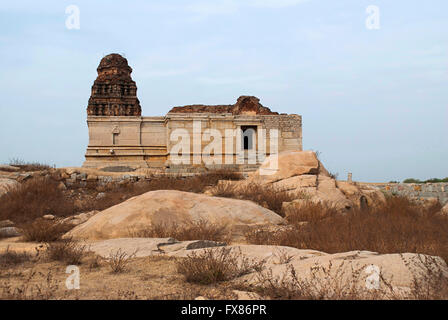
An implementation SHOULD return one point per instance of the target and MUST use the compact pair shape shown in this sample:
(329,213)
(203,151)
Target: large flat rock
(168,207)
(397,272)
(352,270)
(286,165)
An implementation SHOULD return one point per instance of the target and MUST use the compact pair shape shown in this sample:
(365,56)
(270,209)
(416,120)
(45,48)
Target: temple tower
(114,93)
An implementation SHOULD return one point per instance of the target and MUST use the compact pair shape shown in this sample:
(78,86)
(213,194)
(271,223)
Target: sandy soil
(145,278)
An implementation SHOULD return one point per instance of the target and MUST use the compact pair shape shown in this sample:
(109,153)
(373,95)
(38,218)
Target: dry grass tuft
(309,211)
(332,283)
(265,195)
(67,251)
(119,260)
(215,265)
(10,258)
(429,283)
(30,290)
(41,230)
(29,166)
(324,283)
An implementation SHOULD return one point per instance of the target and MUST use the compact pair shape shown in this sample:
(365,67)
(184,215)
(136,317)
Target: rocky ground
(296,233)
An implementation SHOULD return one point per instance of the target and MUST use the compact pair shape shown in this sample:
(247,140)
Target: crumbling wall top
(245,105)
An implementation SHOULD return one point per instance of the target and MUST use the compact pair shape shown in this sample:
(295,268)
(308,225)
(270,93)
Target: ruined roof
(114,68)
(248,105)
(114,60)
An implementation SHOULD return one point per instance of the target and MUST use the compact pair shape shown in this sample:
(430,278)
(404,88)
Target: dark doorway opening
(248,136)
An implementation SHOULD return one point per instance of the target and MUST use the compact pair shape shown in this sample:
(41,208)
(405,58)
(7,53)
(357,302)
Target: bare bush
(119,260)
(215,265)
(42,230)
(282,256)
(29,289)
(309,211)
(334,283)
(35,198)
(67,251)
(323,283)
(10,258)
(29,166)
(265,195)
(430,282)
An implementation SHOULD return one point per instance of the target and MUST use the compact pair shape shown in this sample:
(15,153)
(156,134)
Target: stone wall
(290,130)
(416,190)
(145,142)
(126,141)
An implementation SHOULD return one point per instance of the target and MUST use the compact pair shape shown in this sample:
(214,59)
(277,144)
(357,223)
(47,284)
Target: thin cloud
(275,3)
(223,7)
(229,80)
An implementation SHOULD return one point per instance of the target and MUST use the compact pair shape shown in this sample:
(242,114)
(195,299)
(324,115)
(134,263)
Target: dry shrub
(67,251)
(282,256)
(309,211)
(263,237)
(119,260)
(29,289)
(29,166)
(40,196)
(34,198)
(41,230)
(397,226)
(322,283)
(215,265)
(10,258)
(265,195)
(429,283)
(212,177)
(429,280)
(191,230)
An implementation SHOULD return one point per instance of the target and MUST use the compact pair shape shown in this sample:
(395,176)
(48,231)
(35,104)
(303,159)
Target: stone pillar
(349,177)
(239,152)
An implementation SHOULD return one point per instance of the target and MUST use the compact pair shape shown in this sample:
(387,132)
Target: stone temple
(186,139)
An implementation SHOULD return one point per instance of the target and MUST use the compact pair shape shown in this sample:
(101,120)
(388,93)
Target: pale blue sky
(374,102)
